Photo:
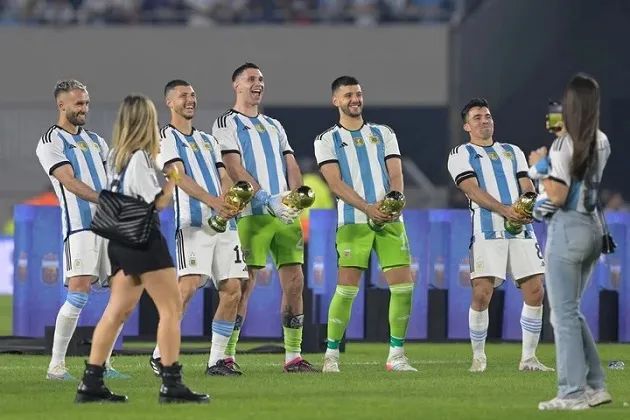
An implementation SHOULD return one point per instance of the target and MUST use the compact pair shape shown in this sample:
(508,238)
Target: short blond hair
(136,129)
(65,86)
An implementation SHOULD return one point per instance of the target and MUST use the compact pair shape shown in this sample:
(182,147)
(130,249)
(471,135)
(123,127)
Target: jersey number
(237,251)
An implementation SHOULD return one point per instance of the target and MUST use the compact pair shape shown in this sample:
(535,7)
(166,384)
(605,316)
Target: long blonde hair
(136,129)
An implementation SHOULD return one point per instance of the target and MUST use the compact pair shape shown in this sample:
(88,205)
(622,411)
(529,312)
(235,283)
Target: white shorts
(85,254)
(216,256)
(518,258)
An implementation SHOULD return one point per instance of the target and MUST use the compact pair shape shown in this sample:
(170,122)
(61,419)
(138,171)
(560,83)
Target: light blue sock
(221,333)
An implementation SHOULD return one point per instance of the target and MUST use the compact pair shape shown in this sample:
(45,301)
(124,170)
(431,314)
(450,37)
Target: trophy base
(216,225)
(512,228)
(375,227)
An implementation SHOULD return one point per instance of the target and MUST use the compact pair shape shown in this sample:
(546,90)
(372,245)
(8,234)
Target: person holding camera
(574,243)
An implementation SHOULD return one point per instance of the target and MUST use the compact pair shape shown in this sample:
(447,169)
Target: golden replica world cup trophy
(523,206)
(300,198)
(239,196)
(393,203)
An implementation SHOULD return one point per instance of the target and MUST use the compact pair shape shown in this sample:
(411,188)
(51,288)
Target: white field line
(119,363)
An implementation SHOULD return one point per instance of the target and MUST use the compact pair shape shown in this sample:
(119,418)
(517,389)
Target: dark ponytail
(580,111)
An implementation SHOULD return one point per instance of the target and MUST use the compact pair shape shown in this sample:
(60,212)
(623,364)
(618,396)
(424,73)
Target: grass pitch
(442,389)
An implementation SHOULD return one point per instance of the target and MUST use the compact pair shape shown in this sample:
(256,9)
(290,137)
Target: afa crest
(358,141)
(97,146)
(374,139)
(22,266)
(493,156)
(192,259)
(50,268)
(207,146)
(508,155)
(438,271)
(82,145)
(260,128)
(193,146)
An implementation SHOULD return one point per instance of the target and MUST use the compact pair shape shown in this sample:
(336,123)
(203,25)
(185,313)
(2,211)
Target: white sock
(156,352)
(531,325)
(67,320)
(217,350)
(332,353)
(108,362)
(395,352)
(291,356)
(478,325)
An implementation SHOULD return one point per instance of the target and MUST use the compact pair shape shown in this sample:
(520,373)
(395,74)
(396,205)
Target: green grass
(442,389)
(6,315)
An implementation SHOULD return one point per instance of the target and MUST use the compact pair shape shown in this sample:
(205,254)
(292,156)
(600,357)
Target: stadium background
(418,61)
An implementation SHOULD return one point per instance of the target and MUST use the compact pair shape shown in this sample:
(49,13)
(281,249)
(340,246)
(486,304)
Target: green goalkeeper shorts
(260,234)
(355,243)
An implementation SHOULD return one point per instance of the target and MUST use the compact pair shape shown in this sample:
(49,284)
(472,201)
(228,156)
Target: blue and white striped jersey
(262,144)
(201,156)
(87,153)
(582,195)
(138,178)
(498,169)
(361,156)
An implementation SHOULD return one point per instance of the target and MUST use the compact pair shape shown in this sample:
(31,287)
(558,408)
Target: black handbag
(123,218)
(608,243)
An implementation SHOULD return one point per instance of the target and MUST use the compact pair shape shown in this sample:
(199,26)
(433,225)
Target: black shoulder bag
(608,243)
(122,218)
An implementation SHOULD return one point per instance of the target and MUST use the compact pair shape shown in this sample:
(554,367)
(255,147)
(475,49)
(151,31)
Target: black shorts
(136,261)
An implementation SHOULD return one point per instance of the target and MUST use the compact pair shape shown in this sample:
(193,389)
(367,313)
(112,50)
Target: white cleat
(331,364)
(478,364)
(565,404)
(596,398)
(534,365)
(400,364)
(59,372)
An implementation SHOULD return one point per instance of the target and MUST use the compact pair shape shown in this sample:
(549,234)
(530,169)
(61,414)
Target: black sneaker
(225,367)
(173,389)
(156,365)
(299,365)
(93,389)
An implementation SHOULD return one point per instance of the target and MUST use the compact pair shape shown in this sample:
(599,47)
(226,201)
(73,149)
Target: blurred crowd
(217,12)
